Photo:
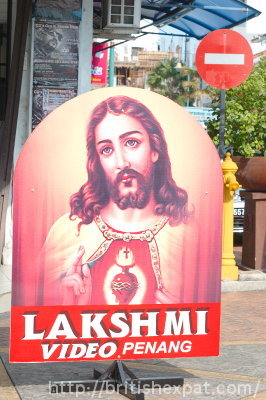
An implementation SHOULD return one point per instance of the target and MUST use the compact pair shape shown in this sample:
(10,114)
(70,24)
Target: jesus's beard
(138,199)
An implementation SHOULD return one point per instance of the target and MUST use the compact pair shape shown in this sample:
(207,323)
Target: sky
(257,25)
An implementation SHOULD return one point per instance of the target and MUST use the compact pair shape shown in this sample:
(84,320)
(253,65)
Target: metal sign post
(221,148)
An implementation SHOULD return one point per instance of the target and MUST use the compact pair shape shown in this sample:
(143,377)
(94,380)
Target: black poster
(62,10)
(46,100)
(56,54)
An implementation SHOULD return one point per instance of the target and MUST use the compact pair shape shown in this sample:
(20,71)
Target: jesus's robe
(163,258)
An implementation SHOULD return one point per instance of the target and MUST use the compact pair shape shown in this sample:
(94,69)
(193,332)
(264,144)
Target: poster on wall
(55,61)
(60,10)
(117,233)
(45,100)
(99,64)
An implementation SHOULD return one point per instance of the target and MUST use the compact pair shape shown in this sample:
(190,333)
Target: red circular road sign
(224,59)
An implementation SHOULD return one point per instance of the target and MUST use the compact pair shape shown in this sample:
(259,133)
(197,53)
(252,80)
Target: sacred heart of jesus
(125,285)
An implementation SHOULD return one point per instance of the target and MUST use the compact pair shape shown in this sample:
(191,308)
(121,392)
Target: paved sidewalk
(238,373)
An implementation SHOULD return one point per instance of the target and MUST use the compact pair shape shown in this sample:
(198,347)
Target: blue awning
(199,17)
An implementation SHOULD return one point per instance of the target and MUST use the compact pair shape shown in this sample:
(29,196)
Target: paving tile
(7,390)
(7,271)
(5,284)
(243,316)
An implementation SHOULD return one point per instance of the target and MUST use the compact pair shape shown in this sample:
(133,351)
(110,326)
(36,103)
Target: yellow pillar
(229,268)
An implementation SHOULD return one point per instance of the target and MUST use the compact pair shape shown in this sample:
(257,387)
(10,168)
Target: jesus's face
(127,159)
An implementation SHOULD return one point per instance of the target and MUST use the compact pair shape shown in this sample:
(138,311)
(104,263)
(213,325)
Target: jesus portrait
(129,199)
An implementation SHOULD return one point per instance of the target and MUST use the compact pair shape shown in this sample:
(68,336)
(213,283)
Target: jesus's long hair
(170,199)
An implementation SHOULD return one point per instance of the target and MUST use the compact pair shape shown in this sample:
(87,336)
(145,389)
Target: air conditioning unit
(121,16)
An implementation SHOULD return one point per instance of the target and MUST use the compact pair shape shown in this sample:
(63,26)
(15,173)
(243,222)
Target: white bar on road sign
(226,59)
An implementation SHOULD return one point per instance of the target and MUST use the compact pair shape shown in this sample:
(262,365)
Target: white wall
(147,42)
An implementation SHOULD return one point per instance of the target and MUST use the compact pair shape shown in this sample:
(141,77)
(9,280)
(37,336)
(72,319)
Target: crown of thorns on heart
(124,286)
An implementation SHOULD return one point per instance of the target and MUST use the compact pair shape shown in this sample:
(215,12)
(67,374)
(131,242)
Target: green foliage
(245,122)
(179,84)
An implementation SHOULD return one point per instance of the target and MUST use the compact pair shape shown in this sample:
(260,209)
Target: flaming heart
(125,284)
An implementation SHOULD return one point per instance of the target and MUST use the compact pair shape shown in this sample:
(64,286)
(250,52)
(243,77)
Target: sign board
(117,233)
(224,59)
(99,64)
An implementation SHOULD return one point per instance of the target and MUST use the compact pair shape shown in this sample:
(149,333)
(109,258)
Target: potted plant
(245,127)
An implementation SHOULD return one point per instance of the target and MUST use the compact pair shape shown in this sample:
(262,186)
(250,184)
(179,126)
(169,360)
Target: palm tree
(178,84)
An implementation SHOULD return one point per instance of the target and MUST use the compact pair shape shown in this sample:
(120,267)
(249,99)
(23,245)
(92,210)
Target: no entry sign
(224,59)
